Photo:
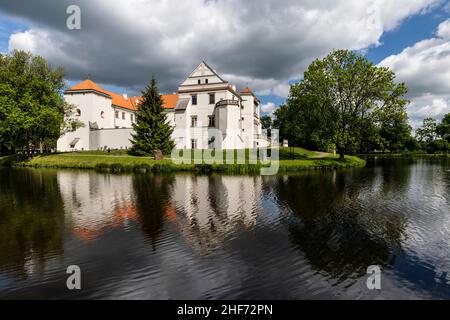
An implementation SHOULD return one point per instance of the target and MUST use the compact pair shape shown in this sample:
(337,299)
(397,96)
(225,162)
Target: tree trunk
(341,152)
(158,155)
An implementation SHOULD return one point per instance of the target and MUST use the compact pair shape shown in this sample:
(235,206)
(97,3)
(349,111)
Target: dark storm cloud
(265,43)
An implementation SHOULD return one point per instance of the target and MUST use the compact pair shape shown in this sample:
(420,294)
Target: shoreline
(122,163)
(405,155)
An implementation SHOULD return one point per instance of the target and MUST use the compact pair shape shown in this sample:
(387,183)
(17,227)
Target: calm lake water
(305,236)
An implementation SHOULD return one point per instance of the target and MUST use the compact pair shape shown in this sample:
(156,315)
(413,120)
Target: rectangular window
(117,114)
(212,121)
(123,115)
(212,98)
(193,144)
(206,81)
(199,81)
(193,121)
(194,99)
(132,118)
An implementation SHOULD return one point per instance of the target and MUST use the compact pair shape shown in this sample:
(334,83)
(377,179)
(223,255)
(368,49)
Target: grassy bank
(290,160)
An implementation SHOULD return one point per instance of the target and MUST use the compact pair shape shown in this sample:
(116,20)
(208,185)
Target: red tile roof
(117,99)
(135,101)
(246,90)
(170,100)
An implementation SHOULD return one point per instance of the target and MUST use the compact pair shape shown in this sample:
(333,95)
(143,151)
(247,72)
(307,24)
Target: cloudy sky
(265,44)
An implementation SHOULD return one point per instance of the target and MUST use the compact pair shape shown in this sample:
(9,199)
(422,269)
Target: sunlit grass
(291,159)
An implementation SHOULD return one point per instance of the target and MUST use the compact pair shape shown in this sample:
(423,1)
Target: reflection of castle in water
(206,209)
(209,208)
(96,202)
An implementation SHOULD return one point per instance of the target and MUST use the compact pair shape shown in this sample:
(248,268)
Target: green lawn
(295,159)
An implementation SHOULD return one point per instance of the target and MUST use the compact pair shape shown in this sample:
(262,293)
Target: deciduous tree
(32,108)
(340,97)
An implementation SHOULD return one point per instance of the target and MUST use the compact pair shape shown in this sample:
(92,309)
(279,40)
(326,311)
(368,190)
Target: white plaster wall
(202,72)
(63,143)
(124,118)
(192,81)
(184,133)
(111,138)
(247,124)
(170,117)
(180,134)
(91,106)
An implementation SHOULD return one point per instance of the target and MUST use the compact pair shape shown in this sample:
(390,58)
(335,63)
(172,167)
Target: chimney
(125,95)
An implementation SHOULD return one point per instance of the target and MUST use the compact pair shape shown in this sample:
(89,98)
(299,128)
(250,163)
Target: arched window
(78,113)
(102,114)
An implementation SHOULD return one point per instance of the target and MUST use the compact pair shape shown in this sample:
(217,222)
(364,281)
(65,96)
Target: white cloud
(268,107)
(50,45)
(23,41)
(262,44)
(444,30)
(425,68)
(428,106)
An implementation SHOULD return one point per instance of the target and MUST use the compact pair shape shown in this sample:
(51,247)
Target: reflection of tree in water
(152,194)
(446,174)
(396,174)
(338,233)
(31,219)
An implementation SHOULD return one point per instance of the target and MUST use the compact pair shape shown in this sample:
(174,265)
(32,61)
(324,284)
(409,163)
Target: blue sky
(412,30)
(268,58)
(9,26)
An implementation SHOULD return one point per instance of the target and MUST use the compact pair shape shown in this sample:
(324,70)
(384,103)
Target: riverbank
(291,160)
(405,155)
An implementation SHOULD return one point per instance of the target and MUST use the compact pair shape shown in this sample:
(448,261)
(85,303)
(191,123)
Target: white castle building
(207,112)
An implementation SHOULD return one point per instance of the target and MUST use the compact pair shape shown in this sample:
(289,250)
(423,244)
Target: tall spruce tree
(151,130)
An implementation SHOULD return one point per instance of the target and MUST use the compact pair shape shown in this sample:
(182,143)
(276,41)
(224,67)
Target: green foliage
(31,105)
(151,129)
(346,102)
(433,137)
(427,132)
(443,129)
(437,146)
(266,122)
